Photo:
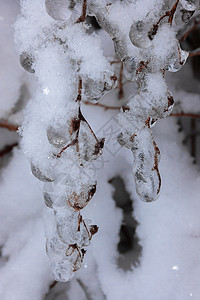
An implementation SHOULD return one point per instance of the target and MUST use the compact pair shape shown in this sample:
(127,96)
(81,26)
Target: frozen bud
(130,66)
(59,9)
(79,200)
(39,175)
(93,229)
(139,34)
(26,61)
(189,4)
(146,158)
(58,137)
(147,187)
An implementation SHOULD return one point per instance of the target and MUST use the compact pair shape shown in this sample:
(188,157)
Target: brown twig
(152,32)
(8,126)
(155,27)
(81,118)
(64,148)
(192,54)
(142,65)
(106,107)
(7,149)
(172,12)
(115,62)
(79,96)
(83,16)
(120,84)
(182,114)
(53,284)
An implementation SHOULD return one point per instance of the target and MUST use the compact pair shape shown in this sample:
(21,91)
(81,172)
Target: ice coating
(160,51)
(65,140)
(70,67)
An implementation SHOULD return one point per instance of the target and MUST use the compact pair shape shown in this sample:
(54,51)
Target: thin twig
(152,32)
(53,284)
(115,62)
(142,65)
(182,114)
(7,149)
(8,126)
(192,54)
(121,92)
(83,16)
(106,107)
(172,12)
(64,148)
(79,96)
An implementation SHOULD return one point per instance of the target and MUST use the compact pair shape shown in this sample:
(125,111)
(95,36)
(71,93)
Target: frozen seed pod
(147,187)
(58,137)
(39,175)
(95,90)
(79,200)
(75,256)
(139,34)
(26,61)
(146,158)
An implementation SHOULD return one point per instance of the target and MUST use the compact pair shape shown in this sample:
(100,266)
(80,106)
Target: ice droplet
(58,138)
(139,34)
(177,60)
